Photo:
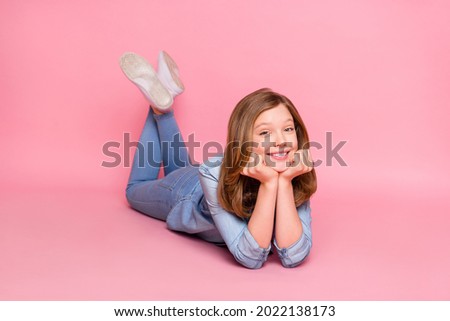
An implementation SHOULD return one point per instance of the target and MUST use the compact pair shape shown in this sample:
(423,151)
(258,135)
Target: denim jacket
(234,230)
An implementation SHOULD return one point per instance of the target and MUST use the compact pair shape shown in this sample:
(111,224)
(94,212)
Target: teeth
(279,154)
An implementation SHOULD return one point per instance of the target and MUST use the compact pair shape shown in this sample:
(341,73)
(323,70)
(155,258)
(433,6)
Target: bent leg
(142,191)
(174,152)
(147,158)
(151,199)
(160,142)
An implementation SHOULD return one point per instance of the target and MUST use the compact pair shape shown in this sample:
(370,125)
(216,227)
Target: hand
(300,163)
(257,169)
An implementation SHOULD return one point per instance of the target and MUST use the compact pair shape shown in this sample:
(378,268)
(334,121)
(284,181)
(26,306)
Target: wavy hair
(237,193)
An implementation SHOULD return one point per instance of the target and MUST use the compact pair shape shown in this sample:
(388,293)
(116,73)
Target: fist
(257,169)
(300,162)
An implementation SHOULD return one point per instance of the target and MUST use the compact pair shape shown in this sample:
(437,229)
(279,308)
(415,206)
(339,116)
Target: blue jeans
(177,198)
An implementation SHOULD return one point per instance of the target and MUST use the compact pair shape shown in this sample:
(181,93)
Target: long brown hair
(237,193)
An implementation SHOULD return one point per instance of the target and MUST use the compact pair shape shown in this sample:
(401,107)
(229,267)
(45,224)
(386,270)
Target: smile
(278,156)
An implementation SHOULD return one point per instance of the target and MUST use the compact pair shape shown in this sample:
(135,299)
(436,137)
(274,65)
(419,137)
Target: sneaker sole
(142,74)
(173,68)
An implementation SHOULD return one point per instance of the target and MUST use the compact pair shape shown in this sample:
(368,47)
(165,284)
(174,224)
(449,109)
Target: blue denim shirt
(234,230)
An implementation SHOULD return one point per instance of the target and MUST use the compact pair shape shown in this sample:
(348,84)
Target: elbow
(130,192)
(294,262)
(248,253)
(129,195)
(291,260)
(252,264)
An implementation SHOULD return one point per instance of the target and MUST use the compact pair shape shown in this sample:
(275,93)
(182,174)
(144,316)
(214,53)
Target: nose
(280,140)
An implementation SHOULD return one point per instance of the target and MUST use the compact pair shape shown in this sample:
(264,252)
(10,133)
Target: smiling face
(275,137)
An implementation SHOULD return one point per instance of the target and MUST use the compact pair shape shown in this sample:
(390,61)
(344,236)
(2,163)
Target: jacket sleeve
(233,229)
(297,252)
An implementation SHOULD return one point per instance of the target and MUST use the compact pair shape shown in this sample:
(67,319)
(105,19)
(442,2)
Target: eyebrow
(264,124)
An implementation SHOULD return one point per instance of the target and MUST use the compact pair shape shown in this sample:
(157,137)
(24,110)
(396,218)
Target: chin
(280,167)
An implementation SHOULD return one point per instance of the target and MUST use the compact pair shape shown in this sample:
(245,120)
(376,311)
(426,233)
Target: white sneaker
(169,74)
(142,74)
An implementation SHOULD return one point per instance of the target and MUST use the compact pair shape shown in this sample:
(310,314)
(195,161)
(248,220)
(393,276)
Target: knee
(128,194)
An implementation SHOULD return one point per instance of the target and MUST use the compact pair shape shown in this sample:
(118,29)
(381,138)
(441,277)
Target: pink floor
(375,74)
(87,245)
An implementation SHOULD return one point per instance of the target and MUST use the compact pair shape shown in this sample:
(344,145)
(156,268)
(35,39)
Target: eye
(264,133)
(289,129)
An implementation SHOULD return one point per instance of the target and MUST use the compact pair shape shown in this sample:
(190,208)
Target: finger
(245,170)
(256,159)
(261,160)
(291,159)
(262,163)
(306,158)
(294,158)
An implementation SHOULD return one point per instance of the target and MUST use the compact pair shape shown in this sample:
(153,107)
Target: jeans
(177,198)
(186,197)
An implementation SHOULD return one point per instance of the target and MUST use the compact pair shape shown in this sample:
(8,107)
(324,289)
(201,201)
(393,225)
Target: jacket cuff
(294,254)
(249,253)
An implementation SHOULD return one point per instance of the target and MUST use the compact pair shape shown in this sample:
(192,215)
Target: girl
(254,195)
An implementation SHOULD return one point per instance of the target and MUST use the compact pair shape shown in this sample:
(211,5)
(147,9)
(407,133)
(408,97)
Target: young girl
(254,195)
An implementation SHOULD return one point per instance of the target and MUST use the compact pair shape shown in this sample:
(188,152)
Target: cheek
(257,146)
(258,149)
(293,142)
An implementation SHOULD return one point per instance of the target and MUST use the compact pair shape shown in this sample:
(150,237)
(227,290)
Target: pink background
(374,73)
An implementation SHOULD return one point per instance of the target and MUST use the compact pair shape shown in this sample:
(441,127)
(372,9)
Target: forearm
(233,229)
(261,222)
(288,226)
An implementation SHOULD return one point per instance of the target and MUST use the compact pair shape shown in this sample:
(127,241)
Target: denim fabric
(177,198)
(235,231)
(186,197)
(297,252)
